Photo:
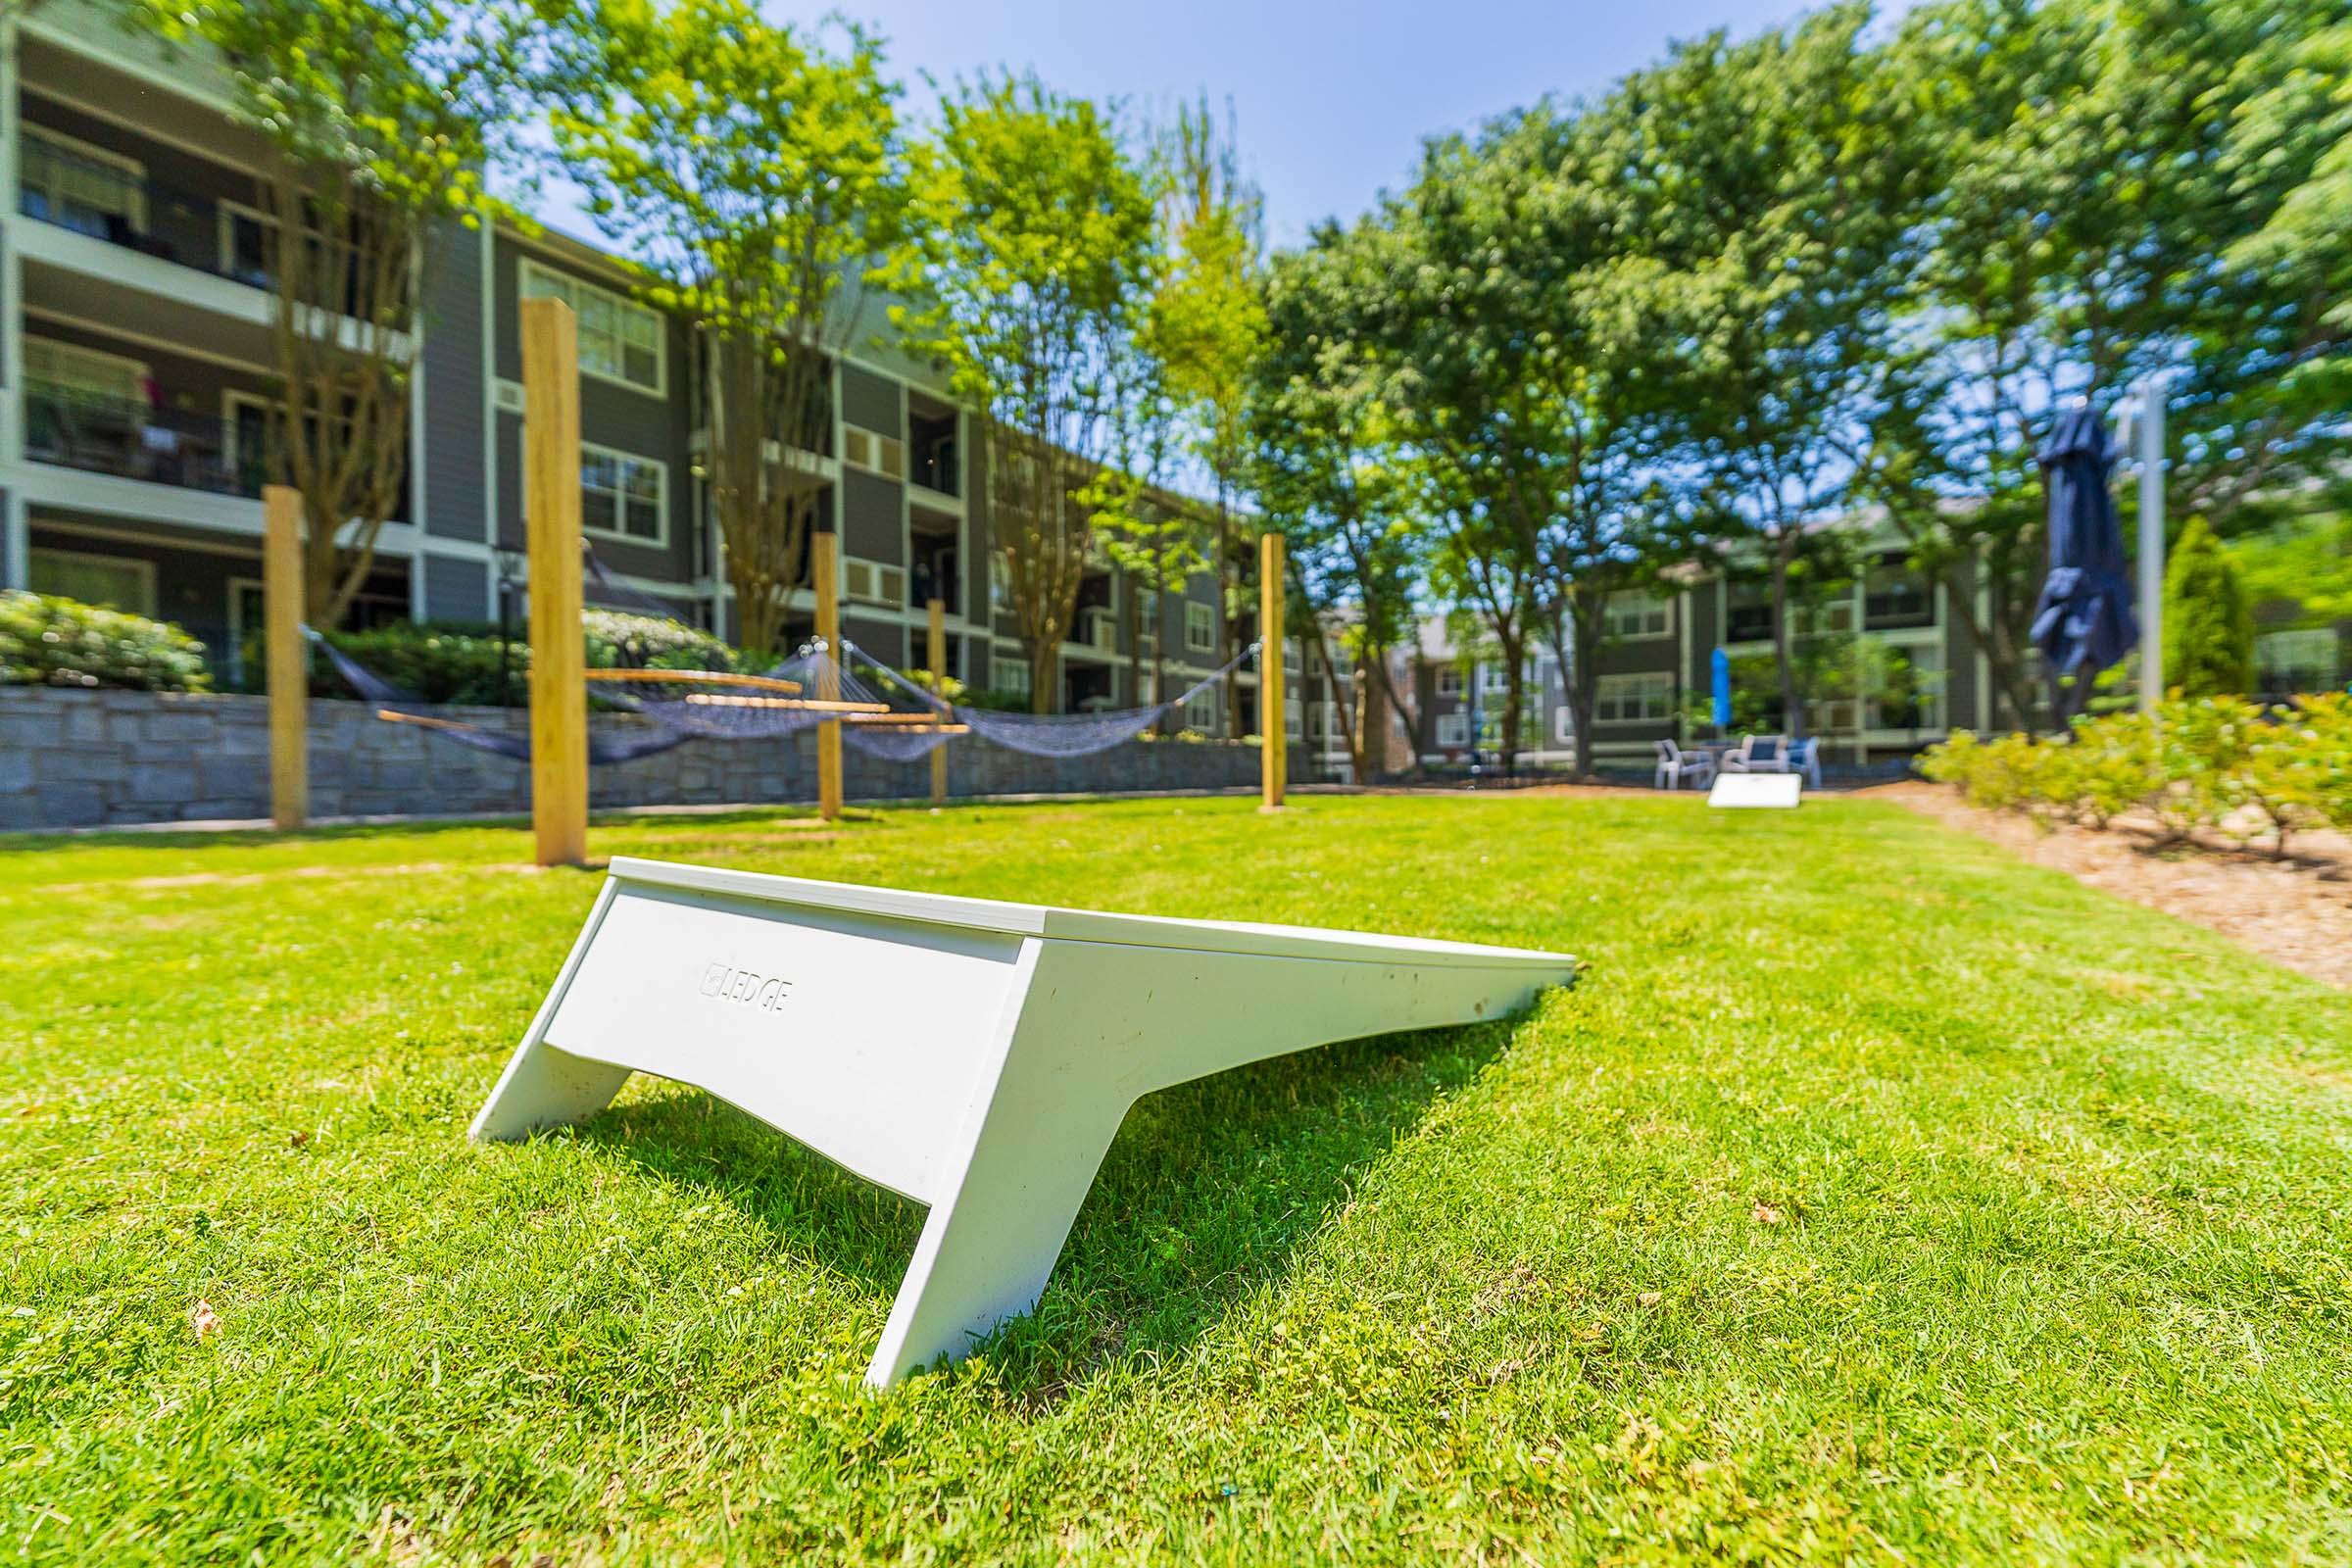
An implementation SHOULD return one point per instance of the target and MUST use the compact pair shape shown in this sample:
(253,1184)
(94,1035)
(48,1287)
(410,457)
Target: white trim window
(1453,731)
(1000,581)
(620,340)
(623,495)
(65,180)
(1646,697)
(1200,628)
(1563,723)
(1200,711)
(1012,669)
(1450,680)
(1147,619)
(118,582)
(874,582)
(871,450)
(1493,681)
(1632,616)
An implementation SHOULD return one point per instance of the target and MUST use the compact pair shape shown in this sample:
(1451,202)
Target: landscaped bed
(1873,1196)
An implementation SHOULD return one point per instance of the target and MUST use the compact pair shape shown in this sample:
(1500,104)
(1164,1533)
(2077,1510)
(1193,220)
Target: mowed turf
(1872,1196)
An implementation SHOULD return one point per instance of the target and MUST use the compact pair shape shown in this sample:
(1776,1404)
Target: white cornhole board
(976,1056)
(1756,789)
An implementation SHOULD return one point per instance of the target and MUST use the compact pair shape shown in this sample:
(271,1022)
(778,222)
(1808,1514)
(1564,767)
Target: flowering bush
(2217,762)
(48,640)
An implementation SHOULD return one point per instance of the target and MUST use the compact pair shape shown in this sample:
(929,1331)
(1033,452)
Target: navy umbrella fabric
(2083,620)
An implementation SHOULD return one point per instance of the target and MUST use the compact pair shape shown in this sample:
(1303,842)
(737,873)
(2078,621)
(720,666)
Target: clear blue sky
(1332,100)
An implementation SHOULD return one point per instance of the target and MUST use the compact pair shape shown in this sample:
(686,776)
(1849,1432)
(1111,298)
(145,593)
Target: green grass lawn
(1872,1196)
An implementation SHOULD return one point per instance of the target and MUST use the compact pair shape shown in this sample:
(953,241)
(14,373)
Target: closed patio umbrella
(2083,620)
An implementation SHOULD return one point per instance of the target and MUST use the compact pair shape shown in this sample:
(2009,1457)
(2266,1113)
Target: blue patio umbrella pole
(2083,622)
(1719,670)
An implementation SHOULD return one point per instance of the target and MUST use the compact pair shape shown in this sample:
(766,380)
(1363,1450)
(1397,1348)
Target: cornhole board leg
(1778,791)
(975,1056)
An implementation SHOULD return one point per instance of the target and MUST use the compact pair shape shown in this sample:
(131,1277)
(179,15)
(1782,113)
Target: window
(1635,615)
(1200,628)
(1493,678)
(620,340)
(1449,681)
(865,449)
(115,581)
(874,582)
(623,494)
(1634,699)
(1012,672)
(1563,723)
(1894,595)
(1000,581)
(1200,712)
(88,189)
(1293,717)
(1147,619)
(2299,660)
(1453,731)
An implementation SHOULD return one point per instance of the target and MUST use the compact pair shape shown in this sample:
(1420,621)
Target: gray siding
(456,400)
(457,589)
(872,401)
(872,514)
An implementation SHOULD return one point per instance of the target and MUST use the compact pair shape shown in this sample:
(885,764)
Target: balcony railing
(137,441)
(1747,623)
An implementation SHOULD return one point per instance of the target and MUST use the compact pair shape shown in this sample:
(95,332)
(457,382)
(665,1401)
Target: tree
(2208,624)
(1770,181)
(1331,477)
(1033,254)
(757,170)
(2092,163)
(382,120)
(1207,324)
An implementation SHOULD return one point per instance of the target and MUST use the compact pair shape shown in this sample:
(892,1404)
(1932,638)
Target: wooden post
(939,687)
(551,510)
(287,656)
(824,559)
(1273,727)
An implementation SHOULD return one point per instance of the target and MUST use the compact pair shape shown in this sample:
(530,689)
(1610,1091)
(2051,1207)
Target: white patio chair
(1759,753)
(1676,766)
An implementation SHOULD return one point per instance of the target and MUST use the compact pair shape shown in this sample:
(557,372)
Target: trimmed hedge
(2219,762)
(49,640)
(457,662)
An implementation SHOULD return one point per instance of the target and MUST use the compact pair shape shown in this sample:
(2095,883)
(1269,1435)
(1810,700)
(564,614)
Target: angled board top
(1084,925)
(1771,790)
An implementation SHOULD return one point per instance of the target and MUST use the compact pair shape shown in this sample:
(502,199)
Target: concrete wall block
(76,806)
(163,784)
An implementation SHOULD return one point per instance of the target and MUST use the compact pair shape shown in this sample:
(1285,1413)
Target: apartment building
(136,345)
(1655,669)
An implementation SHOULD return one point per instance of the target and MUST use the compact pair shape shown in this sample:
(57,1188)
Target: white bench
(976,1056)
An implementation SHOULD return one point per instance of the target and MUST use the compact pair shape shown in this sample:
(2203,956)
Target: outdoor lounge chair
(1676,766)
(1759,753)
(1804,756)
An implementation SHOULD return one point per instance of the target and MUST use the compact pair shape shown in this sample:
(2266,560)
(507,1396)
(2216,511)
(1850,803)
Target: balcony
(91,195)
(1747,623)
(1894,600)
(135,440)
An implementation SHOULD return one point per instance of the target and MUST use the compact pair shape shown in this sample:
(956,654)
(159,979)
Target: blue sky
(1332,100)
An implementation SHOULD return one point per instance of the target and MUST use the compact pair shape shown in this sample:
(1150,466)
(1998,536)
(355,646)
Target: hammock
(1053,735)
(393,699)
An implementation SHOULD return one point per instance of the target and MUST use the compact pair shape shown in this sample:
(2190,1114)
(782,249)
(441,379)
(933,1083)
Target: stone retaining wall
(95,758)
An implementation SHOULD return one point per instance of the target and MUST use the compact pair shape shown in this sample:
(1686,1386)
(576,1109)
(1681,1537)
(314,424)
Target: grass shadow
(1208,1191)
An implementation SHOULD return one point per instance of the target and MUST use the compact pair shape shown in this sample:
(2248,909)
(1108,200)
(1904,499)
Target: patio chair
(1758,754)
(1804,756)
(1676,765)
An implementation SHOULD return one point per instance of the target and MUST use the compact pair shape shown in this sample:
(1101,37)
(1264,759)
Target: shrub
(2219,762)
(2208,624)
(48,640)
(461,662)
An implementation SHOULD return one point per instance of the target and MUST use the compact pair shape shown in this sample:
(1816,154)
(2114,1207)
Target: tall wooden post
(1273,728)
(824,563)
(551,510)
(939,687)
(287,656)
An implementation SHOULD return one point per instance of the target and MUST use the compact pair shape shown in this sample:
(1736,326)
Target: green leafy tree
(381,122)
(1775,199)
(1331,476)
(1029,275)
(1207,326)
(2208,624)
(2092,162)
(757,170)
